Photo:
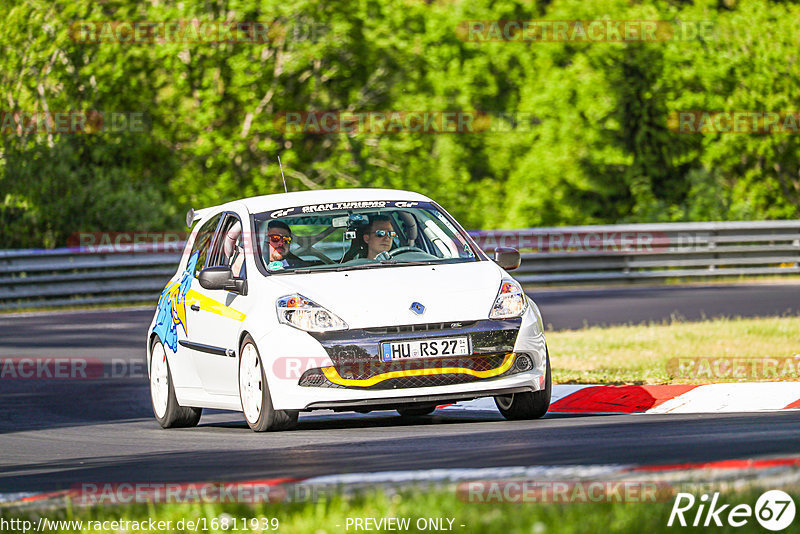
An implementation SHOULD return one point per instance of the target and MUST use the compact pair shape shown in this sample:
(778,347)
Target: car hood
(383,296)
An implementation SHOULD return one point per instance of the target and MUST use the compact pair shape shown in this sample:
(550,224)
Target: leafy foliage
(594,147)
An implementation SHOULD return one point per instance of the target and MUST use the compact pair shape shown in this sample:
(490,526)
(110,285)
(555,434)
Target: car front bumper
(353,378)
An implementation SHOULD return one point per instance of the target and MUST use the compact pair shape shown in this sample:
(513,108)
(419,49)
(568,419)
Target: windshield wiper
(306,270)
(415,262)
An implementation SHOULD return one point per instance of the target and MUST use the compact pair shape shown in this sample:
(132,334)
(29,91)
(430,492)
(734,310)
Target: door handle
(195,307)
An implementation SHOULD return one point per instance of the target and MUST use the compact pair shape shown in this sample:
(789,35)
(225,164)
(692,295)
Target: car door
(218,316)
(179,314)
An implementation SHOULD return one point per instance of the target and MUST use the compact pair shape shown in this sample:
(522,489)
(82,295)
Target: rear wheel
(529,405)
(254,393)
(416,411)
(166,409)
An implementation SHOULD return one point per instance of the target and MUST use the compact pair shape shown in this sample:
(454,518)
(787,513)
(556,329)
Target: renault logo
(417,308)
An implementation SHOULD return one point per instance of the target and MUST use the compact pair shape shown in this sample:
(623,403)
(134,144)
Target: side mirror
(507,258)
(221,277)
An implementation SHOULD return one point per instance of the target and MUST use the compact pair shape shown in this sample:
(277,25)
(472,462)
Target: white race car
(346,300)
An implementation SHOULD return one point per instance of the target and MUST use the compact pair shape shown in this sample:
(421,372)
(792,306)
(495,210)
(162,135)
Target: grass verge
(642,354)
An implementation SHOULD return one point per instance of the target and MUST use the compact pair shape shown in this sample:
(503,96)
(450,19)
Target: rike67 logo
(774,510)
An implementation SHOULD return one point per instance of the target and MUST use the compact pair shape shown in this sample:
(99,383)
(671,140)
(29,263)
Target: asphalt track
(56,434)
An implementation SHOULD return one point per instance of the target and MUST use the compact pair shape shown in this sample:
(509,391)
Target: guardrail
(554,255)
(637,252)
(71,277)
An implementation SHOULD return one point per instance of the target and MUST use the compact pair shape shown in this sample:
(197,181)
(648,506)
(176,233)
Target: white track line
(721,398)
(557,472)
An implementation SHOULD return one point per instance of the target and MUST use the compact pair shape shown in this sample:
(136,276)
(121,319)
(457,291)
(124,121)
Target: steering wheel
(400,250)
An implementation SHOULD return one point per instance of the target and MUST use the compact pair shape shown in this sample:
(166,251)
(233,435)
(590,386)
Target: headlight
(305,314)
(510,301)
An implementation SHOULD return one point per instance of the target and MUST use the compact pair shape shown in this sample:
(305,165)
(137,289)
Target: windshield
(356,235)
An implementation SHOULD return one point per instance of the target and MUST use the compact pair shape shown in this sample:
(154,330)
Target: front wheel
(166,409)
(254,393)
(529,405)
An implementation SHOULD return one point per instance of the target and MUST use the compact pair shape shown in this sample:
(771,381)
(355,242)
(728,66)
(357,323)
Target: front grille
(363,345)
(363,371)
(429,327)
(313,378)
(424,381)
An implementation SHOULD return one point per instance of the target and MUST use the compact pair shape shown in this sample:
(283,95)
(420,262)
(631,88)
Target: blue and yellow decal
(210,305)
(172,306)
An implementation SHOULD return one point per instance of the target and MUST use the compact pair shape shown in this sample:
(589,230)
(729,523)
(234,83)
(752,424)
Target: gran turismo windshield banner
(334,206)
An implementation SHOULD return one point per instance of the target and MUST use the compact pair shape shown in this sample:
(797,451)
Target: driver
(379,236)
(279,237)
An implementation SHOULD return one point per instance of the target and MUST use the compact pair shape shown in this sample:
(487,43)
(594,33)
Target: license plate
(425,348)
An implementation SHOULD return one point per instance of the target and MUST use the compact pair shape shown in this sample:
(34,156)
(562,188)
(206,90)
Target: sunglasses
(277,238)
(384,233)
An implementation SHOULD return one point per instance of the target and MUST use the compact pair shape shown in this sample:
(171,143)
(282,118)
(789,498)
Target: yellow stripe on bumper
(333,375)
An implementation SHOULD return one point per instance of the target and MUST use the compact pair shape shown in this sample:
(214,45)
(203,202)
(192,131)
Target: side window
(228,248)
(443,245)
(203,241)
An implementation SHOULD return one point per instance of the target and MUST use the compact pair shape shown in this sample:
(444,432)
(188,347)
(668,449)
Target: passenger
(233,250)
(379,236)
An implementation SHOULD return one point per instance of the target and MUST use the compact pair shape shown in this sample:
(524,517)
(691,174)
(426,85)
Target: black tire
(416,411)
(529,405)
(269,419)
(175,416)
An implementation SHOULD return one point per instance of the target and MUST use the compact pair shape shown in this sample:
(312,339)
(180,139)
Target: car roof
(302,198)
